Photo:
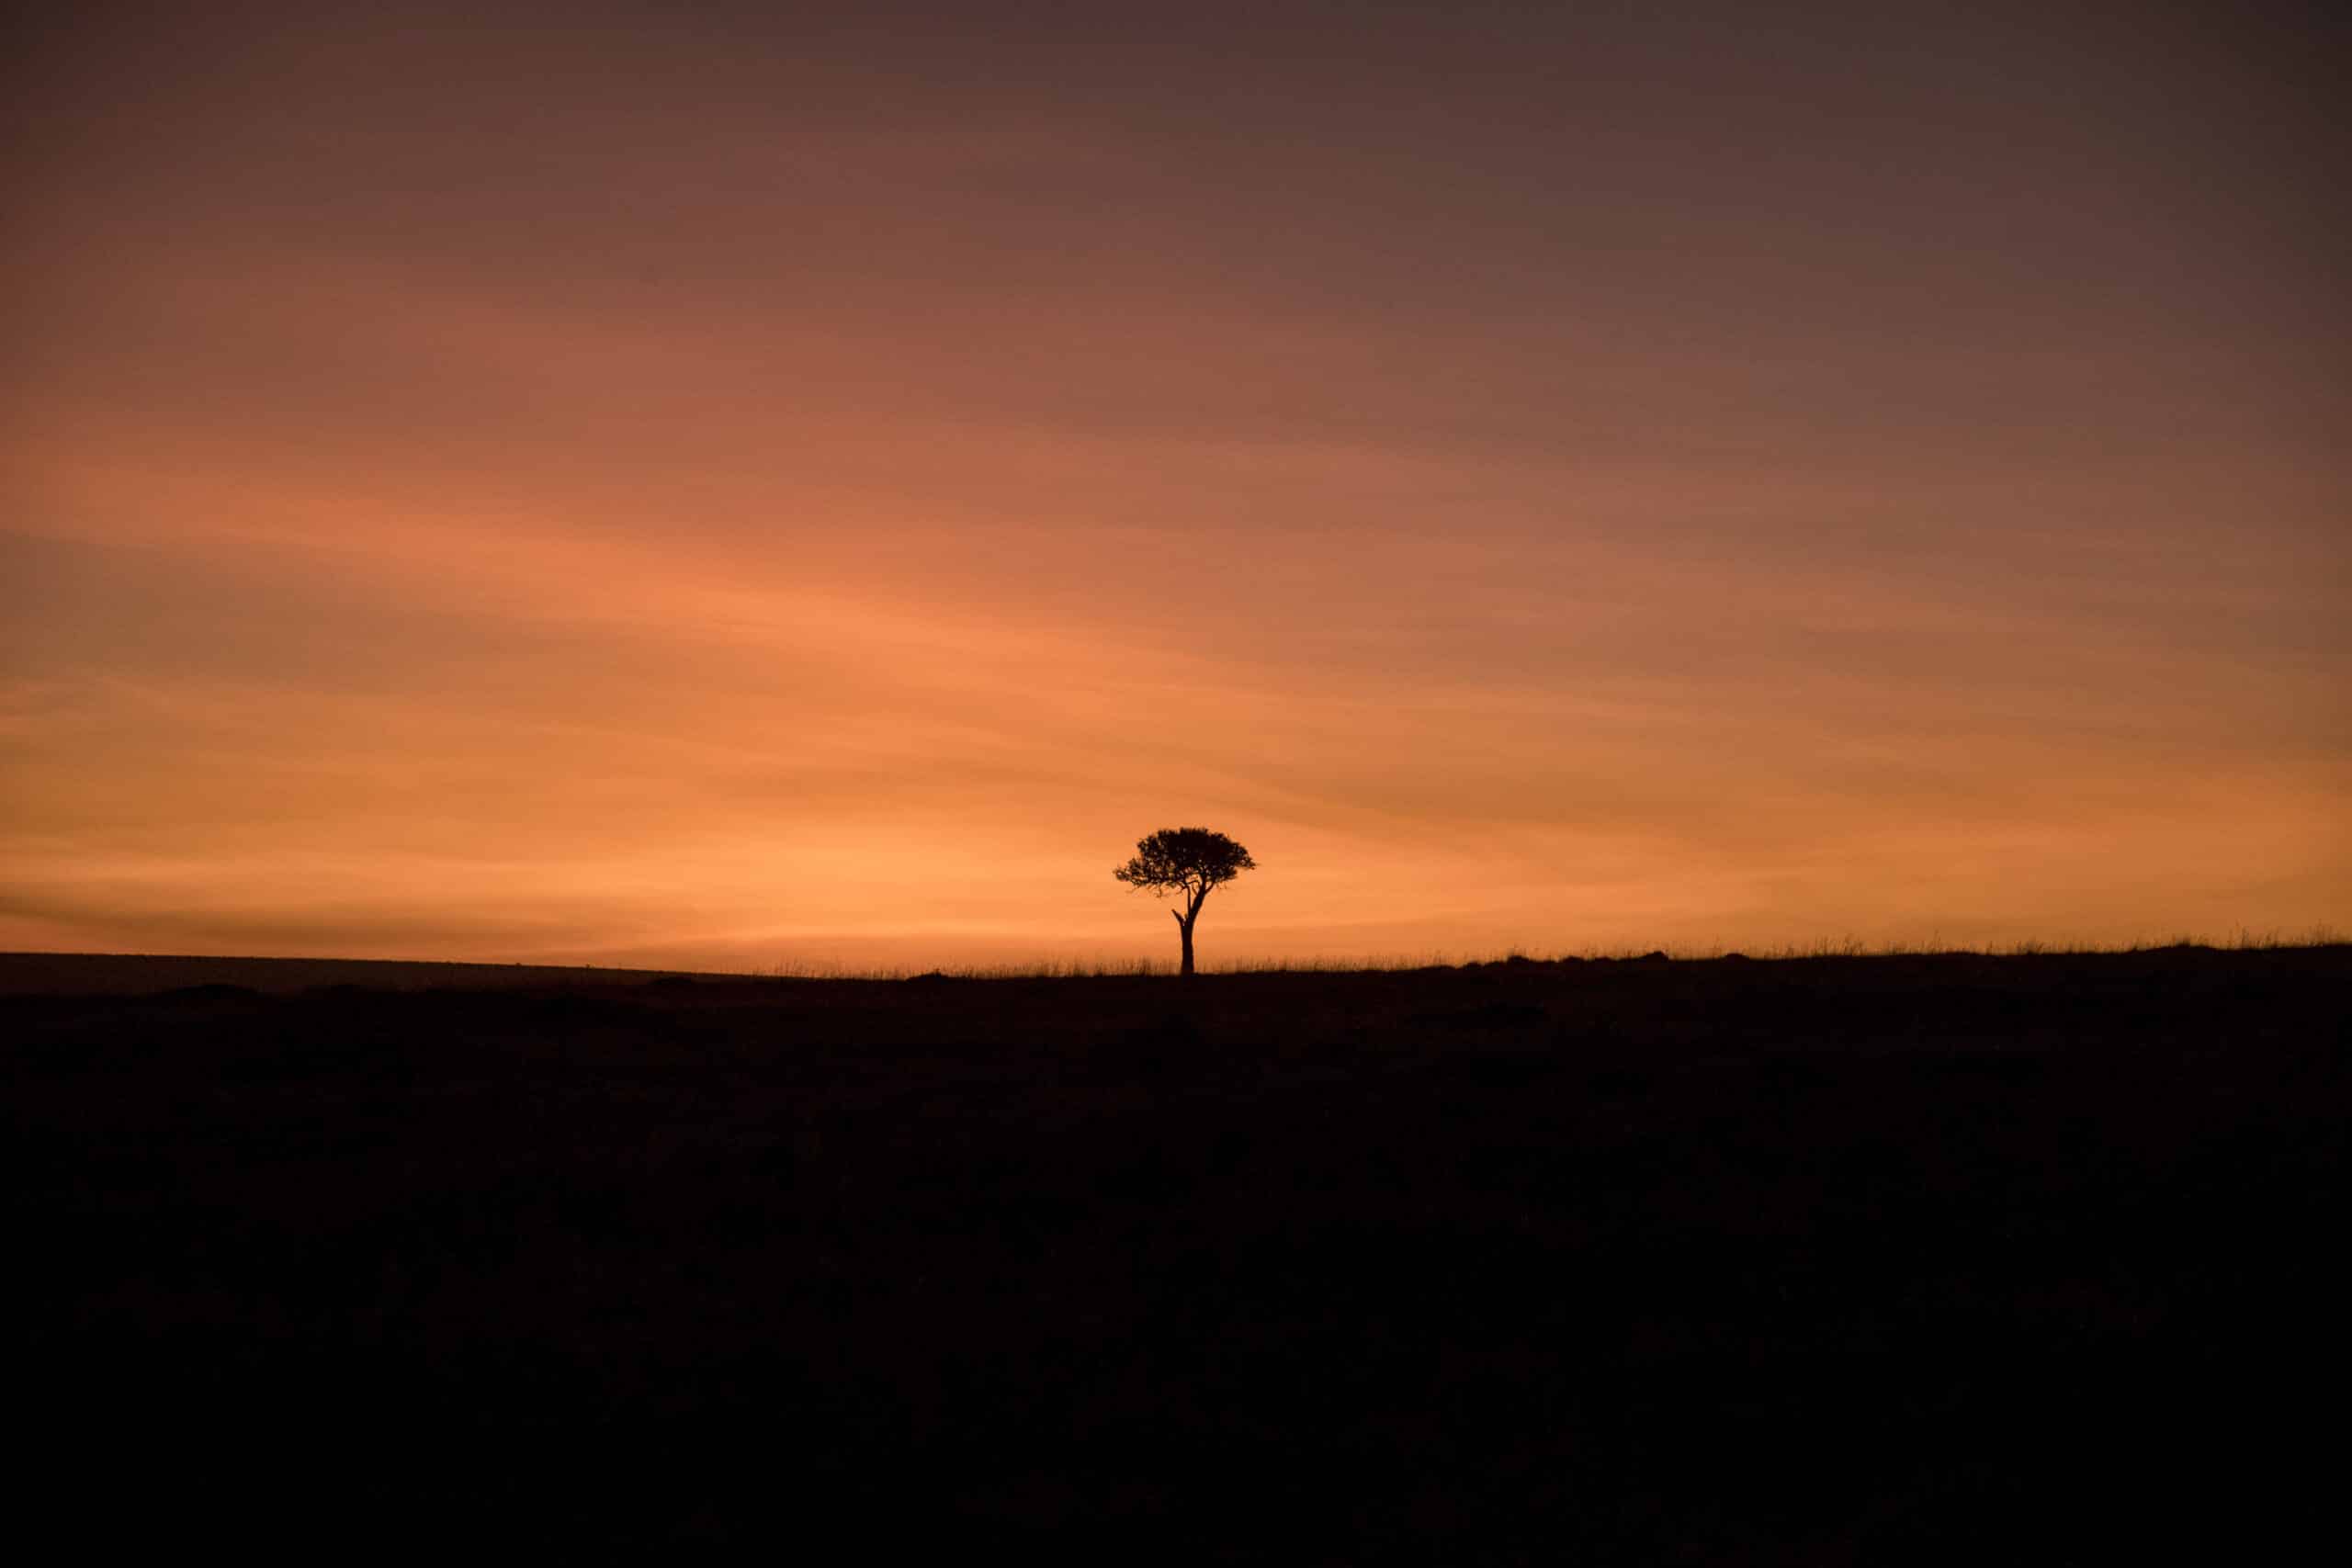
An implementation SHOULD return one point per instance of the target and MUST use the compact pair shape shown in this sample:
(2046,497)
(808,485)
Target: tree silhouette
(1187,861)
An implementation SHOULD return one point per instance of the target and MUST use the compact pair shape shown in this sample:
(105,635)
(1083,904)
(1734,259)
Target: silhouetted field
(124,974)
(1817,1261)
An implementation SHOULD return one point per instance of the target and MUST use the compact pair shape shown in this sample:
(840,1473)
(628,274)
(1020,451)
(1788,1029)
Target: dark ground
(1832,1260)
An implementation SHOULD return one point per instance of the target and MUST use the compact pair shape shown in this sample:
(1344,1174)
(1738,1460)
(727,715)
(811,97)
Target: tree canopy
(1187,860)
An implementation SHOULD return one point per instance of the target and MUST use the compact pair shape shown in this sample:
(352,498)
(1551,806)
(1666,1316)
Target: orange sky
(704,485)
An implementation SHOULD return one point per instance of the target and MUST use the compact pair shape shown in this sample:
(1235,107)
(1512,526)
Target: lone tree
(1188,861)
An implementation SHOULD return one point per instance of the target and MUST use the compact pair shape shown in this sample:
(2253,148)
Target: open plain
(1863,1259)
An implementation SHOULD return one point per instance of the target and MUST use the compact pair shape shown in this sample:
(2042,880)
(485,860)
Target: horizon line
(2244,939)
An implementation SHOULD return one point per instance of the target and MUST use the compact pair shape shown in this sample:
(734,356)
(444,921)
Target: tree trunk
(1184,926)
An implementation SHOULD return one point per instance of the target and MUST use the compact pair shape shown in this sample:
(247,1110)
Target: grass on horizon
(2245,940)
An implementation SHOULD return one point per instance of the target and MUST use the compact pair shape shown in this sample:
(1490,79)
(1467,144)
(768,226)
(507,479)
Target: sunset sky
(748,485)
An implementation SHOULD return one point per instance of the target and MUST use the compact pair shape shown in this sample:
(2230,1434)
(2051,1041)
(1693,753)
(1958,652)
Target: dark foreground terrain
(1817,1261)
